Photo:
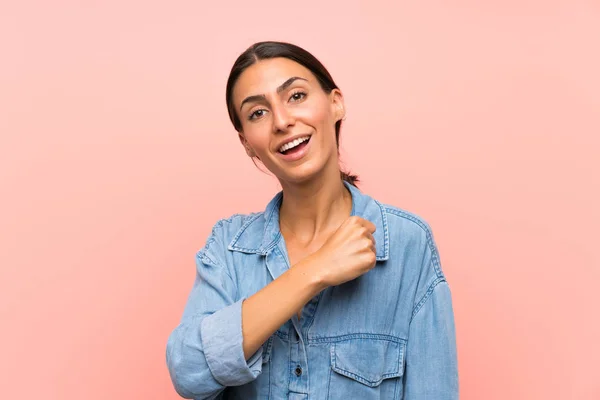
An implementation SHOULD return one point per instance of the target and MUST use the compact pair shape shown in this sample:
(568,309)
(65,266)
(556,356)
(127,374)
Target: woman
(327,294)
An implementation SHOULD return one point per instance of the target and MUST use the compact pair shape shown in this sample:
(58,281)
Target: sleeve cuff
(222,339)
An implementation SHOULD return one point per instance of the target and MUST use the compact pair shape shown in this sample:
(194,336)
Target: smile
(296,149)
(294,143)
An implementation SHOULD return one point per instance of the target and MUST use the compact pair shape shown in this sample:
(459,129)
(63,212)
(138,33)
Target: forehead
(266,75)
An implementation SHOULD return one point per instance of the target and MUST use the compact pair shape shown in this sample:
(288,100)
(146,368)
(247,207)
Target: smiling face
(280,103)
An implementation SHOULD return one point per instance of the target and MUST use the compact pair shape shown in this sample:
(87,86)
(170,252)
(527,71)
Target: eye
(256,114)
(297,96)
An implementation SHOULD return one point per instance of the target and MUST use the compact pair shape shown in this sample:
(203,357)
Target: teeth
(293,144)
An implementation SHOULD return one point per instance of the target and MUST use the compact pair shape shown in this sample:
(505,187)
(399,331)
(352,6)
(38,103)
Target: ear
(337,102)
(244,142)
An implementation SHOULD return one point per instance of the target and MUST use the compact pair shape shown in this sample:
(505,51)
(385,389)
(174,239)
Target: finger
(373,244)
(369,225)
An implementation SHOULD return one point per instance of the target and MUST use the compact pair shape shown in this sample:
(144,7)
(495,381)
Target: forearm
(265,311)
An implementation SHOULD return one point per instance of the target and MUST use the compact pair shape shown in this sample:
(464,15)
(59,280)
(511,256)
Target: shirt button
(298,371)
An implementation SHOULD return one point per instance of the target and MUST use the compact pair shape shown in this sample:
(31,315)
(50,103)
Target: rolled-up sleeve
(431,362)
(222,340)
(204,352)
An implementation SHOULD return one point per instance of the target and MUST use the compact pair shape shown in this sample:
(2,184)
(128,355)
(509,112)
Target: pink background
(117,156)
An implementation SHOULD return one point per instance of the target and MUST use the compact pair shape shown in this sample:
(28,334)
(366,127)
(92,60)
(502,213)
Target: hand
(347,254)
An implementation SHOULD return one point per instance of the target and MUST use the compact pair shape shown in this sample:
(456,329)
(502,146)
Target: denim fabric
(389,334)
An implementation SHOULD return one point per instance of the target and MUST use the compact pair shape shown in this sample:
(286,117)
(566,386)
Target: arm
(209,350)
(431,361)
(283,297)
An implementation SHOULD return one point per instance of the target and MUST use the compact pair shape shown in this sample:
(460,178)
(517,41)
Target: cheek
(258,136)
(317,115)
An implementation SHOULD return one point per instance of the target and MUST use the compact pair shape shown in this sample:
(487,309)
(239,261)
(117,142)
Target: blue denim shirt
(388,334)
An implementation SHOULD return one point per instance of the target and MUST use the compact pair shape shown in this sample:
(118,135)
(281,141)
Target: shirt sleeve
(204,352)
(431,363)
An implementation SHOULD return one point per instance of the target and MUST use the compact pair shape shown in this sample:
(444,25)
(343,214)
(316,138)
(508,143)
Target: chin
(304,172)
(300,175)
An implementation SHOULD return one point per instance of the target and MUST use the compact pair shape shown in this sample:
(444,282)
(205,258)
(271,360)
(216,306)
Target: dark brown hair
(266,50)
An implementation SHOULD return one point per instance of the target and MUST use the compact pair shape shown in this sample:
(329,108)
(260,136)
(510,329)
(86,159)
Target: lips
(290,146)
(297,152)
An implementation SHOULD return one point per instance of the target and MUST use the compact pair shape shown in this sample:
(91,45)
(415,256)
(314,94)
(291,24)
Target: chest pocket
(367,367)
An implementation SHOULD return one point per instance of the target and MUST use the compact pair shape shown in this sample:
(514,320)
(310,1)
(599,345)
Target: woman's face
(278,100)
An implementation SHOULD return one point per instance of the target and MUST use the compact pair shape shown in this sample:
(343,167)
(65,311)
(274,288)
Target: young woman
(326,294)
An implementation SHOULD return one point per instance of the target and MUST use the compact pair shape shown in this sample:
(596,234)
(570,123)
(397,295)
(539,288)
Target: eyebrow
(280,88)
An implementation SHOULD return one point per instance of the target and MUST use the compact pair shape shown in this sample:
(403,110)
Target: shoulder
(410,224)
(413,234)
(412,239)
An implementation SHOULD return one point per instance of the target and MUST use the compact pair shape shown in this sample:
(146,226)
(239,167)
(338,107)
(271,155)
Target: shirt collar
(261,233)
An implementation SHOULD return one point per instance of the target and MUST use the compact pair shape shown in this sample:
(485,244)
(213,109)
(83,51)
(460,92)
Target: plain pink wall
(117,156)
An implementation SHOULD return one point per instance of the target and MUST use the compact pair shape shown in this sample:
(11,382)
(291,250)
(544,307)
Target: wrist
(314,274)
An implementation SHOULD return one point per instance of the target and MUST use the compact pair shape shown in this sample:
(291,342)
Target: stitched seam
(342,338)
(268,349)
(253,217)
(312,317)
(332,360)
(219,224)
(385,229)
(359,378)
(290,366)
(364,380)
(426,296)
(428,234)
(281,334)
(204,255)
(329,383)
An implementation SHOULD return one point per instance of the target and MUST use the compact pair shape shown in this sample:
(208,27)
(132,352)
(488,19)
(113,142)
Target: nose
(282,118)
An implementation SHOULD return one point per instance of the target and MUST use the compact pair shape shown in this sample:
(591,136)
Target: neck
(314,208)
